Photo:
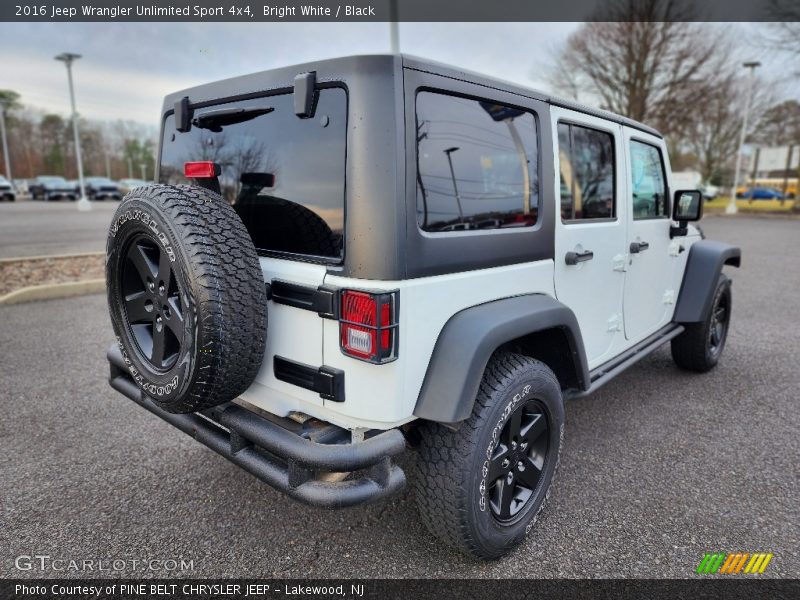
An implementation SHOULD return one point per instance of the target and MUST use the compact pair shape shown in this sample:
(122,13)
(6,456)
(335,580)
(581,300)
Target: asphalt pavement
(29,228)
(659,467)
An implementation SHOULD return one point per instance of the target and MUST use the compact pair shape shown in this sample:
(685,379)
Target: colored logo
(734,563)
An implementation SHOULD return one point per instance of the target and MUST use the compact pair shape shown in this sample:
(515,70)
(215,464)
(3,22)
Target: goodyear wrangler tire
(186,296)
(481,487)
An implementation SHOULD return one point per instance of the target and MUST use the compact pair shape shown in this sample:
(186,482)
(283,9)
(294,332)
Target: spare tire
(186,296)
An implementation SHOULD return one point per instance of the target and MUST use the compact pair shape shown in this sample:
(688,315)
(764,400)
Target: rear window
(284,175)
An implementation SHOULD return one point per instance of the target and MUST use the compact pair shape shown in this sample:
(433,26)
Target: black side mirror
(687,206)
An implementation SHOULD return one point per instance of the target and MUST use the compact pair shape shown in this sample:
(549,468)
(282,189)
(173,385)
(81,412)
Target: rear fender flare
(470,337)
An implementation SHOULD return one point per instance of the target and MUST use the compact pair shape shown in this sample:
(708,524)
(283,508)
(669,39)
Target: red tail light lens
(203,169)
(368,325)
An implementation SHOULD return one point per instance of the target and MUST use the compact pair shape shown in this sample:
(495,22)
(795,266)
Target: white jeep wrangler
(444,259)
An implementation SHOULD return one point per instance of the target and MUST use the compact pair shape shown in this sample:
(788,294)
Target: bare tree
(783,35)
(638,60)
(779,125)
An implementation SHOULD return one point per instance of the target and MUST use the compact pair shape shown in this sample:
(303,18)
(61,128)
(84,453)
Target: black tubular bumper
(280,457)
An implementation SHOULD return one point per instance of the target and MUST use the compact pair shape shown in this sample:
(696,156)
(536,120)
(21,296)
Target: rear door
(590,236)
(284,175)
(649,288)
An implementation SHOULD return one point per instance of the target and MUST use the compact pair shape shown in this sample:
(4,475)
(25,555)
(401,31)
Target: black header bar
(405,10)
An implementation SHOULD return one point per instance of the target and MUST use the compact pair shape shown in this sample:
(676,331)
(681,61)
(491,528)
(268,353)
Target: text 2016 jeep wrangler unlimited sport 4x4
(443,257)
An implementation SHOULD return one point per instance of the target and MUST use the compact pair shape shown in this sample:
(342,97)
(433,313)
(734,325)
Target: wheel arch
(703,267)
(533,324)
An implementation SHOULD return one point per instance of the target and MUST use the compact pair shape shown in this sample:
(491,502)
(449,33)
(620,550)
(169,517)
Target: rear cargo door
(284,175)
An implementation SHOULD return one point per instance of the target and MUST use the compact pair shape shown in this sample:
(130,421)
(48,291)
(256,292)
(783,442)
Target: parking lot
(29,228)
(659,467)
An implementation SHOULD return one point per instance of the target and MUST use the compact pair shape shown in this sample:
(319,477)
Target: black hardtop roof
(342,68)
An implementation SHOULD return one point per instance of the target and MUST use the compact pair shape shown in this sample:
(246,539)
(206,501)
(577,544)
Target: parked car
(126,185)
(389,331)
(7,191)
(100,188)
(51,187)
(760,193)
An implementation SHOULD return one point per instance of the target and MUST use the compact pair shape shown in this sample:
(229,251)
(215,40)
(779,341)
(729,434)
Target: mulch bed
(25,272)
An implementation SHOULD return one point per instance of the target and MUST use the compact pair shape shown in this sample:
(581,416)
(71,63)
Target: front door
(649,291)
(590,236)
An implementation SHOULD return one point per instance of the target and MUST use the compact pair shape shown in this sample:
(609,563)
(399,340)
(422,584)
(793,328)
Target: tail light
(368,325)
(203,169)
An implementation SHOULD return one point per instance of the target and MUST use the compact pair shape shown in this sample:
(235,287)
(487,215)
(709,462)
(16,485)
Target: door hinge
(620,262)
(675,249)
(615,322)
(669,297)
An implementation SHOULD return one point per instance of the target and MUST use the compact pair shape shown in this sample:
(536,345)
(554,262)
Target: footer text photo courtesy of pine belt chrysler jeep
(347,260)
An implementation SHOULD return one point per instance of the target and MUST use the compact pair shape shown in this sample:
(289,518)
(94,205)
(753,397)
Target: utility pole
(731,208)
(448,152)
(3,104)
(68,58)
(394,27)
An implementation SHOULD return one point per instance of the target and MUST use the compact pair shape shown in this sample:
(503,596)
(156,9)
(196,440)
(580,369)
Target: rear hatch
(285,177)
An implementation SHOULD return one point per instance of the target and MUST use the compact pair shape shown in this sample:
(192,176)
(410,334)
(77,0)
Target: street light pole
(68,58)
(448,152)
(5,139)
(731,208)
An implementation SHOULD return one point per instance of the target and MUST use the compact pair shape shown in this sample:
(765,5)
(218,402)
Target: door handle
(637,247)
(573,258)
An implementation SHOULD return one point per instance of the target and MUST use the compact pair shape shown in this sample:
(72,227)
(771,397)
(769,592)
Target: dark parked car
(7,190)
(100,188)
(761,193)
(50,187)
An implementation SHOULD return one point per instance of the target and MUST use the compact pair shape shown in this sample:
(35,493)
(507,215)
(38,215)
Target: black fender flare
(470,337)
(703,267)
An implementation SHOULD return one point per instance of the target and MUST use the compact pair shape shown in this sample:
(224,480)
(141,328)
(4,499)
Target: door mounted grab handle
(573,258)
(637,247)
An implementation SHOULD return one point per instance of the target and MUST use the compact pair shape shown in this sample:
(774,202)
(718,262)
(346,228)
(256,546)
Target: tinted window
(586,160)
(284,175)
(477,165)
(649,185)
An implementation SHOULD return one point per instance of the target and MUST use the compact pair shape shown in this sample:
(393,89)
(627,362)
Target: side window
(648,183)
(477,165)
(586,161)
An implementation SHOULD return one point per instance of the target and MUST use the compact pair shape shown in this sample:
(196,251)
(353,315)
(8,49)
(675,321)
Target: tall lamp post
(448,152)
(68,58)
(5,139)
(731,208)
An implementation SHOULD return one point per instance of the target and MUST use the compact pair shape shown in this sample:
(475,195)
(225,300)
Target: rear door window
(586,165)
(284,175)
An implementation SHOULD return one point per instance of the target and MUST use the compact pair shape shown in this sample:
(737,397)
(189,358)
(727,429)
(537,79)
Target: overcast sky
(127,68)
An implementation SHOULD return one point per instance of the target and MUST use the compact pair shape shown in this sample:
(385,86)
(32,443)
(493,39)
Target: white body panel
(292,333)
(381,396)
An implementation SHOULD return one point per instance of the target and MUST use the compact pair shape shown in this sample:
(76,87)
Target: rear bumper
(279,457)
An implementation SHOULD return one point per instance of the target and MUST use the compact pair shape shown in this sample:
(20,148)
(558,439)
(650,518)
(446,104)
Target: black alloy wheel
(153,309)
(517,463)
(718,329)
